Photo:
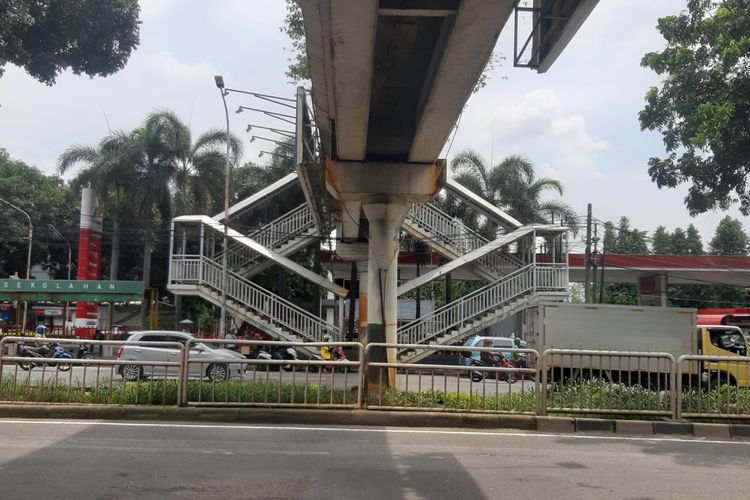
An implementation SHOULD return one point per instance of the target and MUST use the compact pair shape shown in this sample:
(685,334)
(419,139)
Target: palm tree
(512,186)
(197,183)
(112,176)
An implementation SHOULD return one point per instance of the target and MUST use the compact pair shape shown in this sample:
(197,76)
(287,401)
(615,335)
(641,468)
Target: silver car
(203,361)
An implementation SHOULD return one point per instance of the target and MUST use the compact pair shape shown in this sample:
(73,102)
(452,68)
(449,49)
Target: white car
(217,365)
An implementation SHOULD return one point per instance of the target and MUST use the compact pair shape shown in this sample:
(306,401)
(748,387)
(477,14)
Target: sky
(577,122)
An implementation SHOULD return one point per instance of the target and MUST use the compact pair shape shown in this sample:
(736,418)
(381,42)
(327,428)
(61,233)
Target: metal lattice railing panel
(454,235)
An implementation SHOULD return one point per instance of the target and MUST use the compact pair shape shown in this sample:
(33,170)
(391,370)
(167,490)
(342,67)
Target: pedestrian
(231,336)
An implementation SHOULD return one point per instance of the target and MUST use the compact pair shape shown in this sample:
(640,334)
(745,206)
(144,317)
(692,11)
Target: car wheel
(131,373)
(217,372)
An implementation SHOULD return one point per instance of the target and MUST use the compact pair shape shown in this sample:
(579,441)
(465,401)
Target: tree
(110,172)
(622,239)
(198,179)
(702,108)
(513,186)
(679,242)
(294,28)
(730,238)
(46,37)
(661,241)
(47,201)
(694,243)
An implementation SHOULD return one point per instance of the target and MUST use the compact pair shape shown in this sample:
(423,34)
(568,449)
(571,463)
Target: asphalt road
(113,460)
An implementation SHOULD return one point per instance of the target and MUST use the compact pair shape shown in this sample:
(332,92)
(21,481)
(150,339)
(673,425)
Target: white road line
(385,430)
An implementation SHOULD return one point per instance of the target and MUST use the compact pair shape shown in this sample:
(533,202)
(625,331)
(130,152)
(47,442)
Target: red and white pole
(89,261)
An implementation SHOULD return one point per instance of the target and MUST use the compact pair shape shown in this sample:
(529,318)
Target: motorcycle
(288,353)
(84,352)
(53,350)
(335,353)
(494,360)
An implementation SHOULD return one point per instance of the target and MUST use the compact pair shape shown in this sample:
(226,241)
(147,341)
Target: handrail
(490,297)
(274,309)
(272,235)
(461,238)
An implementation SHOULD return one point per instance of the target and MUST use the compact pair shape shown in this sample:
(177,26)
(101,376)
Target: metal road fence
(483,379)
(240,373)
(713,387)
(607,382)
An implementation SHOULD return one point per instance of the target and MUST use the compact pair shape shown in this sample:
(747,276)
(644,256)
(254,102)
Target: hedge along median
(589,396)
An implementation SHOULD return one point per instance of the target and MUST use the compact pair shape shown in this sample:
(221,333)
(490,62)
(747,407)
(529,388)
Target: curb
(373,418)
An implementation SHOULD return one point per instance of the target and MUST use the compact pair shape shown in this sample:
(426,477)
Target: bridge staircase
(199,273)
(452,239)
(482,308)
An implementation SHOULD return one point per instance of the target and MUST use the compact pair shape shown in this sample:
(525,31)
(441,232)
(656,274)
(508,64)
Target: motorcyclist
(326,350)
(519,358)
(40,340)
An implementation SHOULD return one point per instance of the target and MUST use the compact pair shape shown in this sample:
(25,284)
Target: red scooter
(497,360)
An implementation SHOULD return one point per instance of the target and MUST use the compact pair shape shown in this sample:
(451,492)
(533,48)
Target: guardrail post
(363,362)
(541,393)
(677,410)
(182,386)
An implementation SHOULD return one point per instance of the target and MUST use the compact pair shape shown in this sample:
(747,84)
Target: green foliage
(701,107)
(512,186)
(86,36)
(294,28)
(730,238)
(596,394)
(588,395)
(46,201)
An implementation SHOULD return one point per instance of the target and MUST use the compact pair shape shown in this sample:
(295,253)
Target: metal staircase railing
(272,309)
(453,316)
(453,235)
(274,235)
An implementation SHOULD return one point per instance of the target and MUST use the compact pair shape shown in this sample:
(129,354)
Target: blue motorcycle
(53,350)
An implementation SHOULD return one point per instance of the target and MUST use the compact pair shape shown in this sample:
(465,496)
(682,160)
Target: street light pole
(227,175)
(70,257)
(28,260)
(70,251)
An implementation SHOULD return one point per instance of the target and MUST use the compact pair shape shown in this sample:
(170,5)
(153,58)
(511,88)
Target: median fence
(235,373)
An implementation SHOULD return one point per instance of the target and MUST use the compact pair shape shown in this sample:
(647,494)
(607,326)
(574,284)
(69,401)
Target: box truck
(637,329)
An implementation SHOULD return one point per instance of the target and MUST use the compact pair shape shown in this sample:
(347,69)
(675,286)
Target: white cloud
(151,10)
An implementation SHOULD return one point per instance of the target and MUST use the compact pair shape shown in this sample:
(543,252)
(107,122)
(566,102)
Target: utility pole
(595,239)
(587,258)
(601,273)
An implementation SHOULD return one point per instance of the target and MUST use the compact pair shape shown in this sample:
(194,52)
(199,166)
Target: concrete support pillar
(384,222)
(362,317)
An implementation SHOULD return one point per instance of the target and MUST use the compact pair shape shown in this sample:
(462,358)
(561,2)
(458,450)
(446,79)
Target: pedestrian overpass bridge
(389,81)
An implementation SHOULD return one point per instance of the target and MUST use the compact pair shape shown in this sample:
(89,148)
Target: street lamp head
(249,128)
(219,81)
(252,138)
(239,110)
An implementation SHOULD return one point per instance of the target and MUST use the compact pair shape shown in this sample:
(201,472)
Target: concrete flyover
(389,81)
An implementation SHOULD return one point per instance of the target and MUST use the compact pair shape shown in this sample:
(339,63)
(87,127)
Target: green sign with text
(68,290)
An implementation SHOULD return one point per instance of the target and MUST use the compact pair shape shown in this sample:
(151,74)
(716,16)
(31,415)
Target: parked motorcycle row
(267,353)
(50,350)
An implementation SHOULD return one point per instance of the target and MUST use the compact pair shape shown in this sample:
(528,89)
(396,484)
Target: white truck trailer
(635,329)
